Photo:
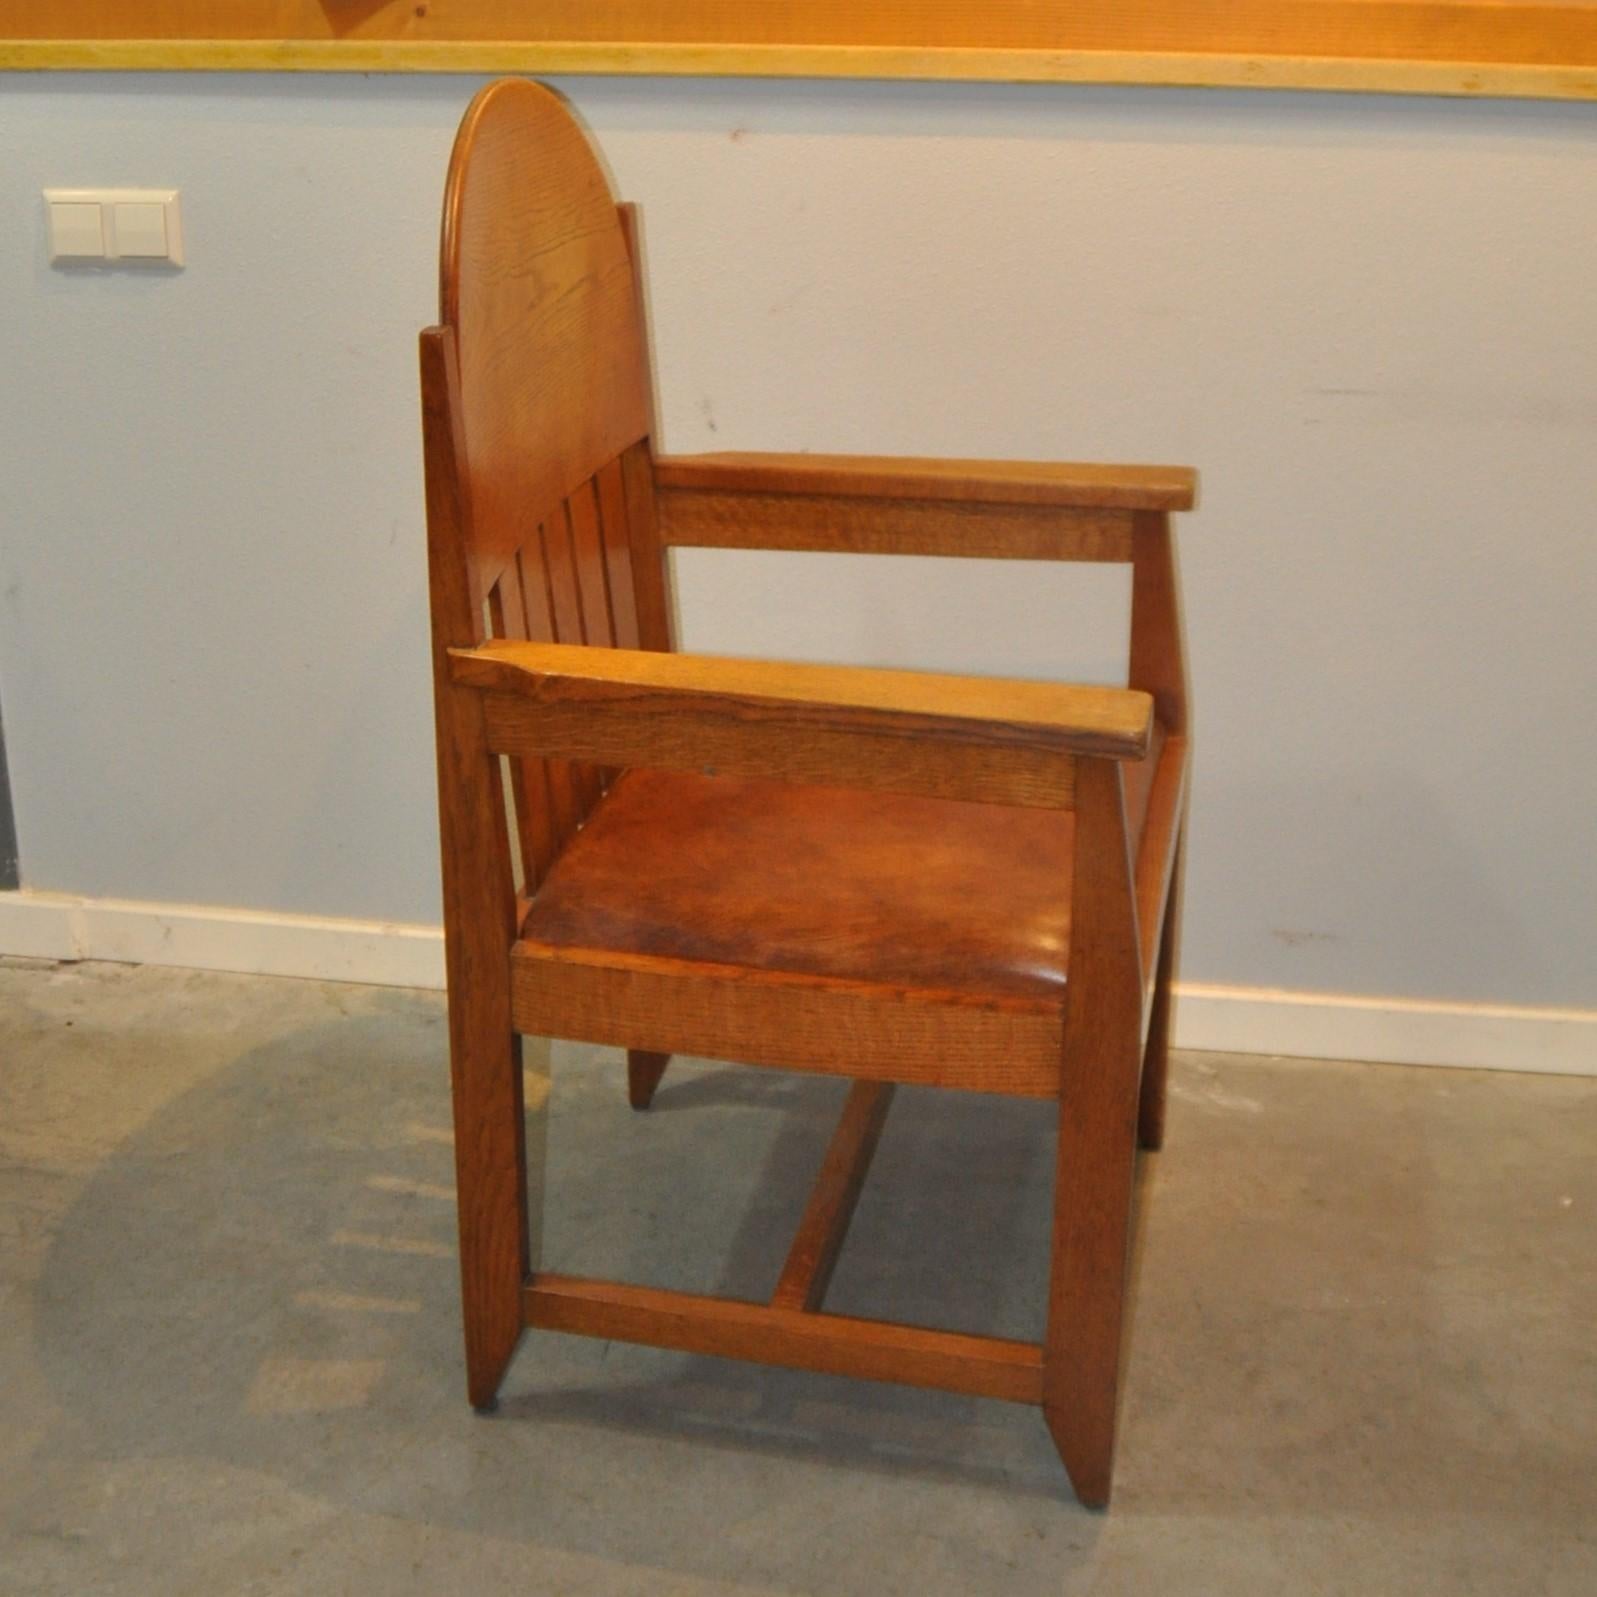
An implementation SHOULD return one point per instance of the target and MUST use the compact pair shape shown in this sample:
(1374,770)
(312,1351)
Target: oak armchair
(987,894)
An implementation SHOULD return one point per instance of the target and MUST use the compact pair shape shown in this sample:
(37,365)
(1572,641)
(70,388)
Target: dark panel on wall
(9,876)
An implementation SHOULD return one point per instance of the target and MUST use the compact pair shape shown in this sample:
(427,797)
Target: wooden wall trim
(1533,52)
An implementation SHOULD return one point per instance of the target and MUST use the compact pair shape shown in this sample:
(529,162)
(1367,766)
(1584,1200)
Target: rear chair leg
(644,1071)
(1156,1054)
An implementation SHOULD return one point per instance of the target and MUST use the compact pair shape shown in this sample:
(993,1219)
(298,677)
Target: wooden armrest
(997,509)
(945,736)
(999,482)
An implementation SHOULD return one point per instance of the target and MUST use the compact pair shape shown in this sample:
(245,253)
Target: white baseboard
(1388,1031)
(1251,1020)
(257,942)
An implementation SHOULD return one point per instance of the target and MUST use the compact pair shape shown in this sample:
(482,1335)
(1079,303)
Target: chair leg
(1156,1054)
(1098,1092)
(644,1071)
(1086,1310)
(1086,1299)
(491,1181)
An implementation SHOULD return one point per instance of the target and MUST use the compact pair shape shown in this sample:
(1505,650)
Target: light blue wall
(1369,322)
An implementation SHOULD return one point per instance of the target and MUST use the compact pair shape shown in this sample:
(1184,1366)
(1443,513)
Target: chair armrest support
(1001,482)
(971,738)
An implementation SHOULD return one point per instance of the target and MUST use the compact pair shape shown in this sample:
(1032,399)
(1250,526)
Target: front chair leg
(644,1071)
(1098,1094)
(1087,1291)
(491,1178)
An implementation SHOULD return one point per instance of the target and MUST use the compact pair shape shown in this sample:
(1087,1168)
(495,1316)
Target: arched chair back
(548,410)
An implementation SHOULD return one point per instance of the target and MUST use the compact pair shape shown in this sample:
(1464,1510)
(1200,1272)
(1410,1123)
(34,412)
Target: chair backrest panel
(537,286)
(537,283)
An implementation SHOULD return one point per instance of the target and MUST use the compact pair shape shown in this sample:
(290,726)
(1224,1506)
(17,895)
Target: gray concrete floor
(1362,1356)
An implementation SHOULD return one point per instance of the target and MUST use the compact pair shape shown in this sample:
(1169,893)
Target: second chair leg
(1098,1100)
(1156,1053)
(644,1071)
(1087,1292)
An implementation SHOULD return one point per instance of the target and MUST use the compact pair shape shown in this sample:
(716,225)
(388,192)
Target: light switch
(138,229)
(75,231)
(134,225)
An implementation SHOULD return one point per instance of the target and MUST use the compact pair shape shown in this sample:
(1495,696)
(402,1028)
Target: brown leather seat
(848,883)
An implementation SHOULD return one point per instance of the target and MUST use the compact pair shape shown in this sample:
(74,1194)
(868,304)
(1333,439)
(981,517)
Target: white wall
(1370,323)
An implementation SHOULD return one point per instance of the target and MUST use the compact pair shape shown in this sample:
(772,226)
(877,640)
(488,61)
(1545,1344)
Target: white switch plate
(133,225)
(77,231)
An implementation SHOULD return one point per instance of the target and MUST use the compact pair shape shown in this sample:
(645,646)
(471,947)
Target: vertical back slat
(565,603)
(529,779)
(613,531)
(591,573)
(587,548)
(593,580)
(565,804)
(565,607)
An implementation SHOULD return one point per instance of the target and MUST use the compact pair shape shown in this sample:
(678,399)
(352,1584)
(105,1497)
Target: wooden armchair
(886,875)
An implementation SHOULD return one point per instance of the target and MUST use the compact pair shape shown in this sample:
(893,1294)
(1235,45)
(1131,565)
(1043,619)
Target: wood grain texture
(536,280)
(1418,29)
(567,804)
(1066,718)
(835,905)
(1156,1046)
(479,923)
(878,1350)
(615,532)
(1160,838)
(807,1272)
(589,566)
(538,825)
(665,732)
(1097,1142)
(1158,665)
(1158,652)
(1059,485)
(719,519)
(1419,46)
(792,1021)
(651,572)
(988,713)
(560,573)
(590,605)
(1158,894)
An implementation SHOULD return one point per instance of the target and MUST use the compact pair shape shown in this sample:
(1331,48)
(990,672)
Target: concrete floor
(1362,1354)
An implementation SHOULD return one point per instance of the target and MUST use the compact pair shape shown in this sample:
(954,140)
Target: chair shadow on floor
(262,1278)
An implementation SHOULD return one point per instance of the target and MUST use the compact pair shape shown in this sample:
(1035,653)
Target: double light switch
(115,225)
